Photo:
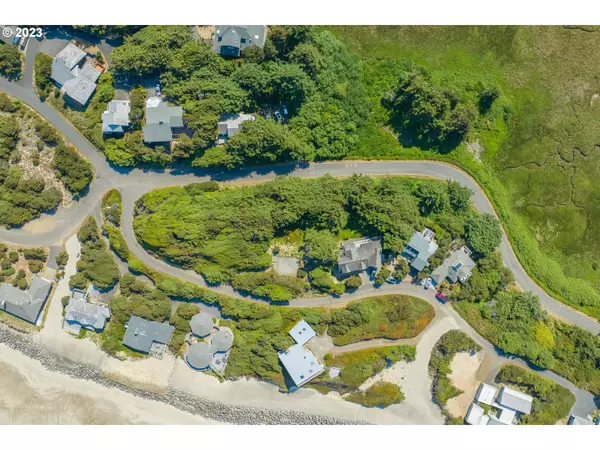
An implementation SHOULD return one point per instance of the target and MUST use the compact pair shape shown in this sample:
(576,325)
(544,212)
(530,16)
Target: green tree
(321,245)
(381,276)
(483,233)
(459,197)
(433,198)
(10,61)
(43,70)
(62,258)
(353,282)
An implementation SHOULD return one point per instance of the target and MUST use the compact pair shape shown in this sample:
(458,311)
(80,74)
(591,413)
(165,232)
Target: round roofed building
(199,356)
(201,324)
(222,341)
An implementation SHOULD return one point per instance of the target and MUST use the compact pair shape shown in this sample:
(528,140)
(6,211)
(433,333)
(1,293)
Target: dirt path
(465,367)
(414,378)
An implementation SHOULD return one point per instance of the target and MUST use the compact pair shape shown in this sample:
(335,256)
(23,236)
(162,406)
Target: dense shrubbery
(381,395)
(97,264)
(275,287)
(452,342)
(11,61)
(390,316)
(358,366)
(72,169)
(22,200)
(303,67)
(429,112)
(43,70)
(515,322)
(551,401)
(224,233)
(137,298)
(111,207)
(180,319)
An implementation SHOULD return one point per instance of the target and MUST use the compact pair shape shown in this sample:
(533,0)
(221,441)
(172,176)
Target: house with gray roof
(457,267)
(79,313)
(515,400)
(420,248)
(201,324)
(26,305)
(161,120)
(222,341)
(300,363)
(75,73)
(199,355)
(357,255)
(230,40)
(116,117)
(230,124)
(145,336)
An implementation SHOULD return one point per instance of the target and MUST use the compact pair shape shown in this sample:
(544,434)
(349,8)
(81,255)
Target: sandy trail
(31,394)
(464,376)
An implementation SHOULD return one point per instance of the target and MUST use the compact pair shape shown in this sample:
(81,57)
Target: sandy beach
(31,394)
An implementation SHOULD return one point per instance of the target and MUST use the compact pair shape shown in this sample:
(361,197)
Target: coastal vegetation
(385,316)
(231,235)
(515,322)
(37,167)
(97,264)
(11,61)
(551,401)
(451,343)
(530,145)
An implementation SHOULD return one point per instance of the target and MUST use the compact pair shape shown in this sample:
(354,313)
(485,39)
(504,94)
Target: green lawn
(539,142)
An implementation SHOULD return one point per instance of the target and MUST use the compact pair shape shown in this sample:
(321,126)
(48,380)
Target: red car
(441,297)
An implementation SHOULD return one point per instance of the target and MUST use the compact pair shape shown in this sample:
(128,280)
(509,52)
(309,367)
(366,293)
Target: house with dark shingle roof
(26,305)
(230,40)
(420,248)
(75,74)
(146,336)
(357,255)
(161,120)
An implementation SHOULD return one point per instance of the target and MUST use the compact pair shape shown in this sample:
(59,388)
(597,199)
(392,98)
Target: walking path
(136,182)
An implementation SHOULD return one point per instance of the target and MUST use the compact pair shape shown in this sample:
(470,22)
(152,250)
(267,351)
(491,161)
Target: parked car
(441,297)
(278,116)
(427,283)
(158,90)
(284,109)
(392,280)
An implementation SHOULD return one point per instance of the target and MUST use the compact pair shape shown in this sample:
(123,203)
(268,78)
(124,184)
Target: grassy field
(537,150)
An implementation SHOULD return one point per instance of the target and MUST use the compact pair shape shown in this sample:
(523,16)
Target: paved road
(134,183)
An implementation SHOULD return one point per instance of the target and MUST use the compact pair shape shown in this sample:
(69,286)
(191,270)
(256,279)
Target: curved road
(136,182)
